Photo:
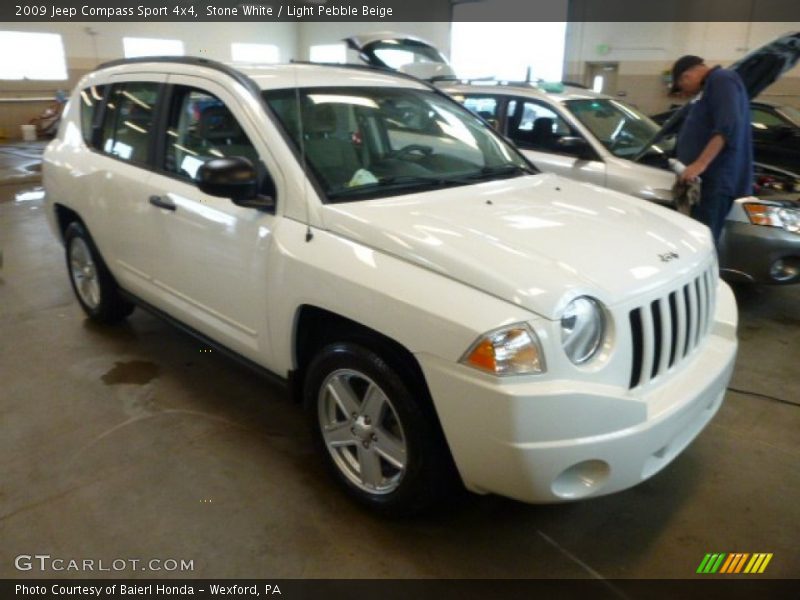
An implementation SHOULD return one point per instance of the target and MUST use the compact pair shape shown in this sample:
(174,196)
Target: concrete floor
(132,442)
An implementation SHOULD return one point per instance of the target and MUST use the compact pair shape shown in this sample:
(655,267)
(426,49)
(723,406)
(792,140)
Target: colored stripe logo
(731,564)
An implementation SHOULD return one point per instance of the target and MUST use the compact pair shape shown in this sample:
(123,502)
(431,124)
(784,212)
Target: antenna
(301,134)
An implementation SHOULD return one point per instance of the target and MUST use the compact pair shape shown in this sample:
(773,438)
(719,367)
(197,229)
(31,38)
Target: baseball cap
(683,64)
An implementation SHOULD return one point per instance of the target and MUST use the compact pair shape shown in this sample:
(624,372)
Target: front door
(536,130)
(212,269)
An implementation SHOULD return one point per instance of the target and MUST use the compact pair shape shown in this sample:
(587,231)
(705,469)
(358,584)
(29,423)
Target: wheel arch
(111,307)
(316,327)
(65,216)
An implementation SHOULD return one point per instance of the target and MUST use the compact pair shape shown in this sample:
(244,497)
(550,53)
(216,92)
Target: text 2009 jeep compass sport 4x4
(444,308)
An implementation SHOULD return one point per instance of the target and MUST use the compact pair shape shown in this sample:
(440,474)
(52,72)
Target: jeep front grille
(667,329)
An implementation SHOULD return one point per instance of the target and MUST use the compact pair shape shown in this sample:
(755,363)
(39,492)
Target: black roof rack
(251,85)
(188,60)
(244,79)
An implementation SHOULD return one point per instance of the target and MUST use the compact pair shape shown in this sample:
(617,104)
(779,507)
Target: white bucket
(28,133)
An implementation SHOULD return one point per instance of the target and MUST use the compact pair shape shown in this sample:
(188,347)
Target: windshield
(621,128)
(367,142)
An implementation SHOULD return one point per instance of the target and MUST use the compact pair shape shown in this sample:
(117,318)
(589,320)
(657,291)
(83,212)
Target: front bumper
(749,253)
(554,441)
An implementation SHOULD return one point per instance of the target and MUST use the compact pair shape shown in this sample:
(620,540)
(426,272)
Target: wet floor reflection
(29,195)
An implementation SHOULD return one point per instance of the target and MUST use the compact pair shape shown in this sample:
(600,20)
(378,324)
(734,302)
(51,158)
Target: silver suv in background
(604,141)
(597,139)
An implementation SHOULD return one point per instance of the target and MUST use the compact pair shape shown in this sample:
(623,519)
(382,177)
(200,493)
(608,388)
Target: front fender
(419,309)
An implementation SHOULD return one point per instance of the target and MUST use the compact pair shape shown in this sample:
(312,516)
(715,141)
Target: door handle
(162,202)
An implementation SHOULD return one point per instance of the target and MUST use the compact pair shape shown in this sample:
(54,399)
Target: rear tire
(375,434)
(93,284)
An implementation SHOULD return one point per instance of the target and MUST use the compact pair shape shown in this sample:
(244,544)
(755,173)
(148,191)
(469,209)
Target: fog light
(783,270)
(582,479)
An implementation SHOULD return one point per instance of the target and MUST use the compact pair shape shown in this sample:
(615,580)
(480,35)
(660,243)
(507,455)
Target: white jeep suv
(444,310)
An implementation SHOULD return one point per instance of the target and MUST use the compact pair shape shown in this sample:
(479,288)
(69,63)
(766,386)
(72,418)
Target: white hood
(535,241)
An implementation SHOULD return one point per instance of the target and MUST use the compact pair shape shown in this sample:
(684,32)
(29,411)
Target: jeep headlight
(582,329)
(773,216)
(511,350)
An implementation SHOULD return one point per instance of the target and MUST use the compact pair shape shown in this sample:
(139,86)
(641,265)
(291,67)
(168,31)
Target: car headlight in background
(511,350)
(773,216)
(582,329)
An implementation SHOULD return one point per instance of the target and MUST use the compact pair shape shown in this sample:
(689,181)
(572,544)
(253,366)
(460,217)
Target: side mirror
(575,146)
(232,177)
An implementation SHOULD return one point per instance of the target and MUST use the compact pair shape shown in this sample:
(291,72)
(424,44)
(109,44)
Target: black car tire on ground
(93,284)
(364,416)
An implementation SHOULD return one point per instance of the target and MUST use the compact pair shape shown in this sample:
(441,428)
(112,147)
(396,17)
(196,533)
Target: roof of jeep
(322,75)
(522,89)
(269,76)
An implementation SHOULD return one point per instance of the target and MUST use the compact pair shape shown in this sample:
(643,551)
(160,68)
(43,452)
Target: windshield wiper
(500,171)
(430,181)
(397,181)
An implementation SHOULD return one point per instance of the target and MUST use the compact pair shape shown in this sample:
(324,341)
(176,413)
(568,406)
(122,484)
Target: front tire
(93,284)
(377,436)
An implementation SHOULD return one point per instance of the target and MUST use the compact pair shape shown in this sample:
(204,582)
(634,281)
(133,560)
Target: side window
(129,120)
(535,126)
(484,106)
(200,128)
(91,100)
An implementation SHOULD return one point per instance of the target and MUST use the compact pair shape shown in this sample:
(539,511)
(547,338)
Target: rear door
(119,189)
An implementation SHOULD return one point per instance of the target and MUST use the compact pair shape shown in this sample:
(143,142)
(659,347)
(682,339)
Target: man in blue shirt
(714,142)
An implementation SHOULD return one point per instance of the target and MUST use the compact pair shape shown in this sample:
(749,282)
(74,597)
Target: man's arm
(709,153)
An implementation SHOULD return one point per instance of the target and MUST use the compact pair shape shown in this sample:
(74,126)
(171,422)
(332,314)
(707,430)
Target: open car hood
(758,70)
(400,52)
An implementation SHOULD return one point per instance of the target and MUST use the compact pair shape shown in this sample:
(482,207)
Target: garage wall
(88,44)
(644,51)
(85,50)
